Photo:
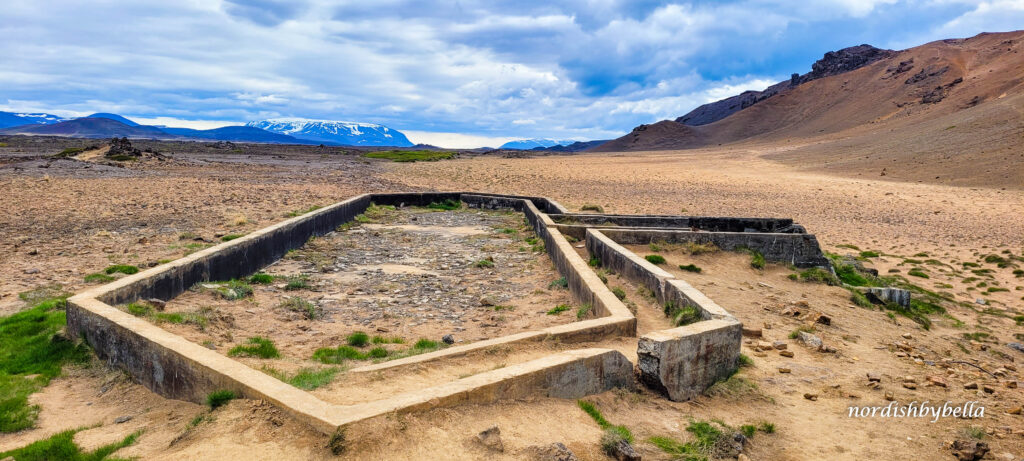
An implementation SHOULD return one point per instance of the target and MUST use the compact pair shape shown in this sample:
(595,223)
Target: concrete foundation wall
(683,362)
(800,250)
(176,368)
(680,362)
(704,223)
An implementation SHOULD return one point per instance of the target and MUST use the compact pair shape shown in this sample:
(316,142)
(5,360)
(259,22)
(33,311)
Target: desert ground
(65,219)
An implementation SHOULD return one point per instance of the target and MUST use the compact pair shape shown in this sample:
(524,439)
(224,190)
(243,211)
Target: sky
(457,74)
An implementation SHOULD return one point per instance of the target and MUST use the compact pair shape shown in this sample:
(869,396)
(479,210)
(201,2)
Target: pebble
(786,353)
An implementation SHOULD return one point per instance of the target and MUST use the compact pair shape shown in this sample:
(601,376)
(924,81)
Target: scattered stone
(971,386)
(910,386)
(448,339)
(491,438)
(1011,384)
(785,370)
(874,377)
(621,450)
(742,457)
(937,381)
(890,396)
(888,295)
(764,346)
(1015,411)
(810,340)
(752,332)
(908,336)
(554,452)
(32,270)
(786,353)
(158,304)
(981,301)
(988,389)
(969,450)
(122,419)
(1017,347)
(486,301)
(810,396)
(33,252)
(780,345)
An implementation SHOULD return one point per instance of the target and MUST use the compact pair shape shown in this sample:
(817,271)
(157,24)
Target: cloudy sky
(454,73)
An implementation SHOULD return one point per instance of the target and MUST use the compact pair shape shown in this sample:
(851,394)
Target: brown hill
(940,106)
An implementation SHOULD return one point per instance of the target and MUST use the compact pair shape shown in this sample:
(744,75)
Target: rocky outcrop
(833,63)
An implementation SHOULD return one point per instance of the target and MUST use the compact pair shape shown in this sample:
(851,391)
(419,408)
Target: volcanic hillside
(947,111)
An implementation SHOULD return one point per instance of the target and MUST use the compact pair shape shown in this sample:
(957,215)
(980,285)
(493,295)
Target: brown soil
(74,218)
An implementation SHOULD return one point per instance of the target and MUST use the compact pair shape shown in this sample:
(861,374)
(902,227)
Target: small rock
(742,457)
(752,332)
(1015,411)
(1011,384)
(33,252)
(810,396)
(988,389)
(810,340)
(910,386)
(491,438)
(763,345)
(785,370)
(890,396)
(971,386)
(981,301)
(122,419)
(486,301)
(622,451)
(780,345)
(908,336)
(937,381)
(448,339)
(786,353)
(1017,347)
(32,271)
(969,450)
(159,304)
(554,452)
(874,377)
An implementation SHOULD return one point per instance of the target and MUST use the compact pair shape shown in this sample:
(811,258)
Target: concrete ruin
(679,362)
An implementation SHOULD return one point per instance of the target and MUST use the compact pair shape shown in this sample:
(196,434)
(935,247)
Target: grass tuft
(655,259)
(219,398)
(409,156)
(256,346)
(358,339)
(61,446)
(122,268)
(690,268)
(559,309)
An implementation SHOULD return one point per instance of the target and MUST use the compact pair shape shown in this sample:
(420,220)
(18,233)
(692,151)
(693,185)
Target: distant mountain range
(107,125)
(334,132)
(530,144)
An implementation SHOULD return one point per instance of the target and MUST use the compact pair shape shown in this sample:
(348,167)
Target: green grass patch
(122,268)
(619,293)
(848,246)
(559,283)
(484,263)
(690,268)
(297,282)
(868,254)
(256,346)
(655,259)
(217,399)
(559,309)
(32,352)
(98,278)
(916,272)
(594,261)
(358,339)
(447,204)
(407,156)
(261,278)
(816,275)
(62,447)
(592,207)
(681,315)
(306,378)
(298,304)
(582,311)
(603,423)
(230,237)
(757,260)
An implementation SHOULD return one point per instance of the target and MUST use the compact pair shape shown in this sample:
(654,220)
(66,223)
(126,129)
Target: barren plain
(67,219)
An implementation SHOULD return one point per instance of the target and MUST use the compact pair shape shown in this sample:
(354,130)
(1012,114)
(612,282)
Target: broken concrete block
(682,362)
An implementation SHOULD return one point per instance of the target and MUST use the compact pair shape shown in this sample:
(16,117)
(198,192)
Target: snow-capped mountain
(335,132)
(527,144)
(8,119)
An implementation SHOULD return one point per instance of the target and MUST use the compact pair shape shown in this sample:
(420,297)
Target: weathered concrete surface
(800,250)
(682,362)
(888,295)
(704,223)
(568,375)
(174,367)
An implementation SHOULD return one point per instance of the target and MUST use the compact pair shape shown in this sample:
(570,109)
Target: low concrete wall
(176,368)
(800,250)
(680,362)
(568,375)
(704,223)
